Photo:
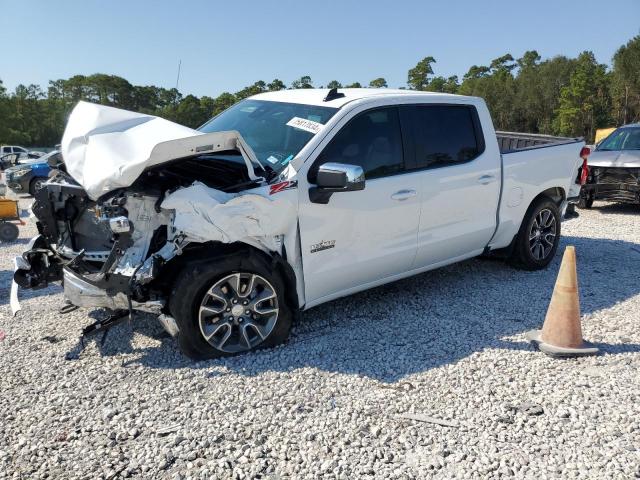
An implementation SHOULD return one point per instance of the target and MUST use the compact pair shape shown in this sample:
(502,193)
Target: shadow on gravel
(616,208)
(18,241)
(424,322)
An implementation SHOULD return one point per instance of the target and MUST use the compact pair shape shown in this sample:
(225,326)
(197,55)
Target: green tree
(476,72)
(626,82)
(444,85)
(302,82)
(496,84)
(418,76)
(334,84)
(222,102)
(529,59)
(585,101)
(257,87)
(504,63)
(276,85)
(354,85)
(378,83)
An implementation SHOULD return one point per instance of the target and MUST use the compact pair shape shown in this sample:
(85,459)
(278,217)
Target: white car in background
(285,201)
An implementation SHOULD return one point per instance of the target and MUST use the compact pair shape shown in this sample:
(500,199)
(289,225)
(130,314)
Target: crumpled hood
(106,148)
(615,159)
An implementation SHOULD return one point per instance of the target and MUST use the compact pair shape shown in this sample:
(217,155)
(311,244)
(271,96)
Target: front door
(361,237)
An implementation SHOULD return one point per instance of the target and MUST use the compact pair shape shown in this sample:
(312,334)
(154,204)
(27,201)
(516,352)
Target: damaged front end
(112,235)
(106,253)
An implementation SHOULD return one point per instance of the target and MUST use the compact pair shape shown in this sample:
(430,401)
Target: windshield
(263,125)
(621,139)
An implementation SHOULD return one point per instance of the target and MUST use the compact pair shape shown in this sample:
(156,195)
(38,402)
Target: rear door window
(443,135)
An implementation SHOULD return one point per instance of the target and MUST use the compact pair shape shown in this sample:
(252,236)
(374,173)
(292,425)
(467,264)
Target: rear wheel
(8,232)
(229,306)
(539,236)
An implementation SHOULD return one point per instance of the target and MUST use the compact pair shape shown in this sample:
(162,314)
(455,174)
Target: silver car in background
(614,168)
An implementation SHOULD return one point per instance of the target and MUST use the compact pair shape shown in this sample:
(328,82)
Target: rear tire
(208,298)
(537,241)
(8,232)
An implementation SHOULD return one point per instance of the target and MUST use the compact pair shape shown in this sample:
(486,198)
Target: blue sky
(228,45)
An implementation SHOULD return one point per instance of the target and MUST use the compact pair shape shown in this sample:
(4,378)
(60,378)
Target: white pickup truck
(285,201)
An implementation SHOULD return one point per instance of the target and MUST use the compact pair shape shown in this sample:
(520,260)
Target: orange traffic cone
(561,334)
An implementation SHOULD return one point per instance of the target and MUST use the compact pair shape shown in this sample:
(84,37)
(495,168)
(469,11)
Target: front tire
(35,185)
(230,305)
(537,241)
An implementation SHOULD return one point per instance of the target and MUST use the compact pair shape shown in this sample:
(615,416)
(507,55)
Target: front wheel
(229,306)
(35,185)
(539,236)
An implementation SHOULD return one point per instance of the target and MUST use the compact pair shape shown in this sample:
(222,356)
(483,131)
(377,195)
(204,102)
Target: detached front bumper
(82,293)
(39,266)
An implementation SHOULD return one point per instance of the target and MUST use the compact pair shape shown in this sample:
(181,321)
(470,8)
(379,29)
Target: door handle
(401,195)
(486,179)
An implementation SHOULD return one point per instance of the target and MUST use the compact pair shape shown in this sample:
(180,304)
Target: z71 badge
(279,187)
(323,245)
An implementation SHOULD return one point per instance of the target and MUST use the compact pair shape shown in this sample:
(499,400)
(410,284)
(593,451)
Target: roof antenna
(178,79)
(332,95)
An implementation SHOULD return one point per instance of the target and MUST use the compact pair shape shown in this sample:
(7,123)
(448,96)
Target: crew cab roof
(315,96)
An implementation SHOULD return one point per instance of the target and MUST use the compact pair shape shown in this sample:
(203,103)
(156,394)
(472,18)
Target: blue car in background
(29,175)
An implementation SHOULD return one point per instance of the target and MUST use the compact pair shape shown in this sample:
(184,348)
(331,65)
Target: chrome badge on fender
(323,245)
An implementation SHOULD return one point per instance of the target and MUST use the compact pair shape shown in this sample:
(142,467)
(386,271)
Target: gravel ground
(448,344)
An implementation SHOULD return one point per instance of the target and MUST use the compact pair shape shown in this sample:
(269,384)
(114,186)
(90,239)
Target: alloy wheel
(542,235)
(238,312)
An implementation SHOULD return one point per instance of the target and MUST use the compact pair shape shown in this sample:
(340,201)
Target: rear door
(360,237)
(460,181)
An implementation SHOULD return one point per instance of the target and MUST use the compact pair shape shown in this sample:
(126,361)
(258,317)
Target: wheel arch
(556,194)
(195,254)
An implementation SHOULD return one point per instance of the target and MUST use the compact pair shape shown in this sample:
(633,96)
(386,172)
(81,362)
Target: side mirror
(336,177)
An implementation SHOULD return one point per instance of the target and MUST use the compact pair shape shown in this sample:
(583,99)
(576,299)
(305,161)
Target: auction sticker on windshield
(304,124)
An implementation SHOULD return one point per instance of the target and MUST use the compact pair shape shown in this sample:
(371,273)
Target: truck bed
(513,142)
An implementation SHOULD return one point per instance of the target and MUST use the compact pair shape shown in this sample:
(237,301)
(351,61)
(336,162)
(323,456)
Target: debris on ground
(161,432)
(418,417)
(528,408)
